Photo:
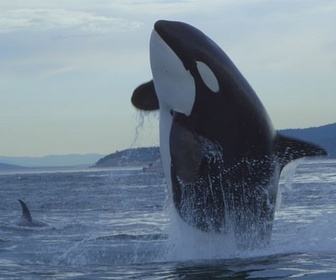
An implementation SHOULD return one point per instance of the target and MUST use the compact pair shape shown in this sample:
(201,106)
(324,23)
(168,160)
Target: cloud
(45,42)
(49,19)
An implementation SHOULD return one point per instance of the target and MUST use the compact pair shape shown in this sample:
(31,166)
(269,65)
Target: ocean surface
(115,224)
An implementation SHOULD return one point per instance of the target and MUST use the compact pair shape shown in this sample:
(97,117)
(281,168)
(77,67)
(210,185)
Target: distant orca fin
(185,149)
(288,149)
(144,97)
(25,211)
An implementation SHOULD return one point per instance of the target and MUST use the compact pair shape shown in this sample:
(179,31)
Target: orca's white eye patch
(207,76)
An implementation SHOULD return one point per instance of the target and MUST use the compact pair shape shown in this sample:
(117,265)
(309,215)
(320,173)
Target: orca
(26,218)
(221,155)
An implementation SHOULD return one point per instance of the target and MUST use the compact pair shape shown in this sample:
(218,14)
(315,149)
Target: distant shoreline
(324,136)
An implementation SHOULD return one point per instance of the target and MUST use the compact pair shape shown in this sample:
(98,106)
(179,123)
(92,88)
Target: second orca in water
(26,218)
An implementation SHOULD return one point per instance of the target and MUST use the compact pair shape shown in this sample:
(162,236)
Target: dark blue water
(117,224)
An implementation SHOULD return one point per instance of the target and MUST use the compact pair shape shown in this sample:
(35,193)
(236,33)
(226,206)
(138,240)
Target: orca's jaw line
(174,85)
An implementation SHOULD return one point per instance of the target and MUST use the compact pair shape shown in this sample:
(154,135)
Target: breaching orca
(221,156)
(26,218)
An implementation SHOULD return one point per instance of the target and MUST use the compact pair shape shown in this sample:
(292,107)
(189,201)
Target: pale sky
(68,67)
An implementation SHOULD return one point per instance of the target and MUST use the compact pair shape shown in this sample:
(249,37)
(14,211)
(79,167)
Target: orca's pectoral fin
(288,149)
(144,97)
(25,211)
(185,149)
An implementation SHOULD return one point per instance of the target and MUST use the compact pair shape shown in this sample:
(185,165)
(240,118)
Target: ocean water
(117,224)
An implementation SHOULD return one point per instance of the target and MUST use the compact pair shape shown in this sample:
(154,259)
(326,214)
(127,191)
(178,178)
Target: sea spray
(188,243)
(286,180)
(145,133)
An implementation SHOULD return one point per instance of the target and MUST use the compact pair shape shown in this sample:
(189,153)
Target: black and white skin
(221,155)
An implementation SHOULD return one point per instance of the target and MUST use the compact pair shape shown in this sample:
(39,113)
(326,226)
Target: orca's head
(194,78)
(179,55)
(189,68)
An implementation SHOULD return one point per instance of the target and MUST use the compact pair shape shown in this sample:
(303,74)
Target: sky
(68,67)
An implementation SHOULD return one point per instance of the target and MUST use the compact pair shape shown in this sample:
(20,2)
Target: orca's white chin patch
(174,85)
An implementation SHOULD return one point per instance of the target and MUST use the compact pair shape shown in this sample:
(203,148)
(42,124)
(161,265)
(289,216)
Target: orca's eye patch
(208,77)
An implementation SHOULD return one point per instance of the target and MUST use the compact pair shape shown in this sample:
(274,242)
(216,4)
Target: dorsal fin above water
(25,211)
(288,149)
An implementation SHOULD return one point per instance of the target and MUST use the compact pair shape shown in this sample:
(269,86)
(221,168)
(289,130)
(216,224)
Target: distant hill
(53,160)
(10,167)
(325,136)
(130,157)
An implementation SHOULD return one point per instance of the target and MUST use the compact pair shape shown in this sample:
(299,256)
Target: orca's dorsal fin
(288,149)
(144,97)
(25,211)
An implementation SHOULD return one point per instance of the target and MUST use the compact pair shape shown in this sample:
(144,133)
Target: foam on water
(187,243)
(291,234)
(103,222)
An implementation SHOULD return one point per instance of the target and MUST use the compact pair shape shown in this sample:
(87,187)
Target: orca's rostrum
(221,156)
